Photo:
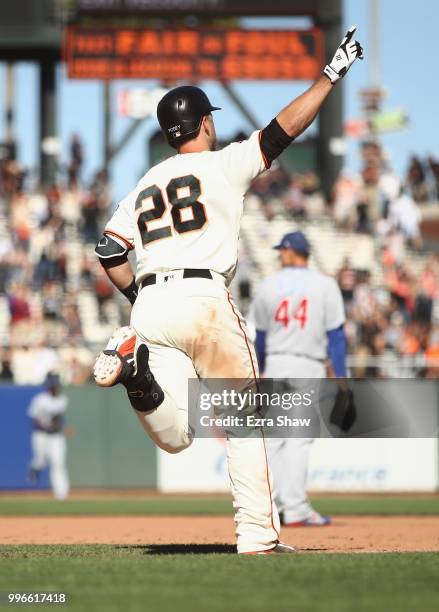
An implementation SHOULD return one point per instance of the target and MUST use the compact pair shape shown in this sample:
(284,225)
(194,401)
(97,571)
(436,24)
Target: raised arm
(301,112)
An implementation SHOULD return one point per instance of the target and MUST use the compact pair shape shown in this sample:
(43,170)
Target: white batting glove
(344,57)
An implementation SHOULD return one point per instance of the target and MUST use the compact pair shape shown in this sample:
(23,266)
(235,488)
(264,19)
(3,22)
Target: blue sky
(408,51)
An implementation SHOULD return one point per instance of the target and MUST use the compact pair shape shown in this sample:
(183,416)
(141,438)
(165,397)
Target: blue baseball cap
(296,241)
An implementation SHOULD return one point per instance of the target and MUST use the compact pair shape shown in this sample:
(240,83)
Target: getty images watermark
(246,408)
(305,408)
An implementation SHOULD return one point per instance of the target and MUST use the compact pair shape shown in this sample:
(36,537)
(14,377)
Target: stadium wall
(336,465)
(110,450)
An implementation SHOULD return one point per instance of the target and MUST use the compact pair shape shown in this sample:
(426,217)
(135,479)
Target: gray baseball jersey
(296,307)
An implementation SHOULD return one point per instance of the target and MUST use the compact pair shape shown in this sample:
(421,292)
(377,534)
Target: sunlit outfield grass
(114,578)
(174,505)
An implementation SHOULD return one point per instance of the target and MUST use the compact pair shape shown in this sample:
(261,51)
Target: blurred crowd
(374,201)
(47,265)
(47,238)
(392,329)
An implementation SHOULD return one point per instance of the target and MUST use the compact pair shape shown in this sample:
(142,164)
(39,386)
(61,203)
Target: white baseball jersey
(45,406)
(296,307)
(186,211)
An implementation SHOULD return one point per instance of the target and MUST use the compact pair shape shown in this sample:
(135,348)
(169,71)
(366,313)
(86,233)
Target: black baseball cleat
(144,392)
(117,364)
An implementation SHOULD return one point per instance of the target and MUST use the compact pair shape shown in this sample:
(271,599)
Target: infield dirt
(348,534)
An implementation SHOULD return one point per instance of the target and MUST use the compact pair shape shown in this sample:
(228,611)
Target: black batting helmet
(180,112)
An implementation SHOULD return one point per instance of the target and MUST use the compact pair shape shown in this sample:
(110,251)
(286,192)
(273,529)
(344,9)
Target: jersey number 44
(284,313)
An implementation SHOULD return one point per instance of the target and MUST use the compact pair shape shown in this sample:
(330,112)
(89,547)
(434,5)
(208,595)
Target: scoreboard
(194,54)
(197,7)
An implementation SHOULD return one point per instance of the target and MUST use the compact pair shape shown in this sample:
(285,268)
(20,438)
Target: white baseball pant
(50,450)
(193,329)
(289,457)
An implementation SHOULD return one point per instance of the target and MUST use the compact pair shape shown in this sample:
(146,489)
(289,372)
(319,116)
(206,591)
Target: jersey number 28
(300,314)
(179,203)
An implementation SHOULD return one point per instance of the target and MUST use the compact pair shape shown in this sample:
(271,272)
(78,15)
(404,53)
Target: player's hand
(346,54)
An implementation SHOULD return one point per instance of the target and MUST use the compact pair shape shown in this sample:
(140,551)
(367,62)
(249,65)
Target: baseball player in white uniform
(299,315)
(183,221)
(47,410)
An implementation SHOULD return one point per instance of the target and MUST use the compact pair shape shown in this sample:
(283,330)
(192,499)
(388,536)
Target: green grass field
(211,579)
(133,578)
(170,505)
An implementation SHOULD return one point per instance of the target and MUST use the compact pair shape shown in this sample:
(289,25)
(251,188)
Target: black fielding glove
(344,413)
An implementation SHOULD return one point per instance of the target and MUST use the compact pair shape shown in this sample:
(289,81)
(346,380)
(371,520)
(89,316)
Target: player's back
(200,215)
(299,305)
(185,212)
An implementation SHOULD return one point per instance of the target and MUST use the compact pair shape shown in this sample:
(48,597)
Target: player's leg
(39,458)
(192,328)
(125,361)
(296,506)
(59,477)
(168,425)
(224,350)
(276,459)
(256,515)
(133,359)
(290,462)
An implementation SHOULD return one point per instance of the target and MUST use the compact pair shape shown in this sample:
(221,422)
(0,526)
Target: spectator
(293,200)
(416,180)
(405,215)
(76,160)
(389,189)
(434,169)
(18,300)
(52,300)
(6,374)
(347,278)
(20,219)
(104,292)
(73,327)
(90,218)
(368,207)
(400,285)
(346,194)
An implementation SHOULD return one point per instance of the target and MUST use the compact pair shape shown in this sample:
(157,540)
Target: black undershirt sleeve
(273,141)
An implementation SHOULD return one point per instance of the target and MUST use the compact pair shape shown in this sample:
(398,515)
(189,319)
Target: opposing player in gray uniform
(47,410)
(299,315)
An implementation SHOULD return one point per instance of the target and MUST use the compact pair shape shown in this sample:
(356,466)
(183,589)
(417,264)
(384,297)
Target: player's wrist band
(274,140)
(131,291)
(332,75)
